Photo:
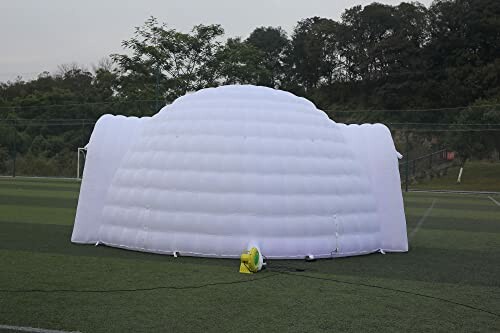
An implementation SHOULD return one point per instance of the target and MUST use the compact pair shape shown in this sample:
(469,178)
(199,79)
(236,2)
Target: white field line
(498,203)
(41,177)
(454,192)
(32,329)
(422,219)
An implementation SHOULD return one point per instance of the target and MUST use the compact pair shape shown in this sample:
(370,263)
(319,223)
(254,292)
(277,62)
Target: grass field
(449,281)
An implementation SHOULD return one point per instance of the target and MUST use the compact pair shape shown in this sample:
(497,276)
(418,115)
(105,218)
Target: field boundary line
(498,203)
(422,219)
(455,192)
(32,329)
(41,177)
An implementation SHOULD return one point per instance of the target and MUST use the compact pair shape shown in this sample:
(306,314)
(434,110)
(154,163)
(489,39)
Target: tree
(272,44)
(312,57)
(105,79)
(4,157)
(476,144)
(241,63)
(182,62)
(380,40)
(376,57)
(465,39)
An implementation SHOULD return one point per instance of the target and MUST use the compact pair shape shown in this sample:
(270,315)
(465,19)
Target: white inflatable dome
(227,168)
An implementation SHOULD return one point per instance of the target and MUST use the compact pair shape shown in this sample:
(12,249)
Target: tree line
(377,57)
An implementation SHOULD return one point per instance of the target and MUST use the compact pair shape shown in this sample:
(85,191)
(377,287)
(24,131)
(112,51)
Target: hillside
(477,176)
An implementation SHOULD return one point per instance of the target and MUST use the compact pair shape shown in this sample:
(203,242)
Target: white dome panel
(227,167)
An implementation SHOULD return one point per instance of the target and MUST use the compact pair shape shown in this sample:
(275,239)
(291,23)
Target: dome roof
(226,167)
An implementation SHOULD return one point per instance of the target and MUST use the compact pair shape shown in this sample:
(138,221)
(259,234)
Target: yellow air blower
(251,261)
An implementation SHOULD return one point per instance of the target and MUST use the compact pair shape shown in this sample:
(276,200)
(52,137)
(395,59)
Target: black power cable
(287,270)
(388,289)
(281,270)
(134,289)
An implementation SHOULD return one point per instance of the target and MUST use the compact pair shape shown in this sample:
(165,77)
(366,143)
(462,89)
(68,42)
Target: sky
(37,36)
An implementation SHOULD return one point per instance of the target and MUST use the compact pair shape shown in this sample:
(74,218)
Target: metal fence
(43,141)
(426,167)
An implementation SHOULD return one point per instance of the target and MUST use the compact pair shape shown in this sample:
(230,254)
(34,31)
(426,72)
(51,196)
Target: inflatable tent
(226,168)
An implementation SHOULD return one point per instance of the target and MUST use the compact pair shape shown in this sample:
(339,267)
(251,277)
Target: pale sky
(39,35)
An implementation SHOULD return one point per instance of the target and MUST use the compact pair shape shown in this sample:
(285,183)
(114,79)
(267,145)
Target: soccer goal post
(83,152)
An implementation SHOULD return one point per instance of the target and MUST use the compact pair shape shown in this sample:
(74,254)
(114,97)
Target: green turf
(477,176)
(455,255)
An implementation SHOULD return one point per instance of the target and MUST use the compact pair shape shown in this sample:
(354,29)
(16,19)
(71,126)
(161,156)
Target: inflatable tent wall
(226,168)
